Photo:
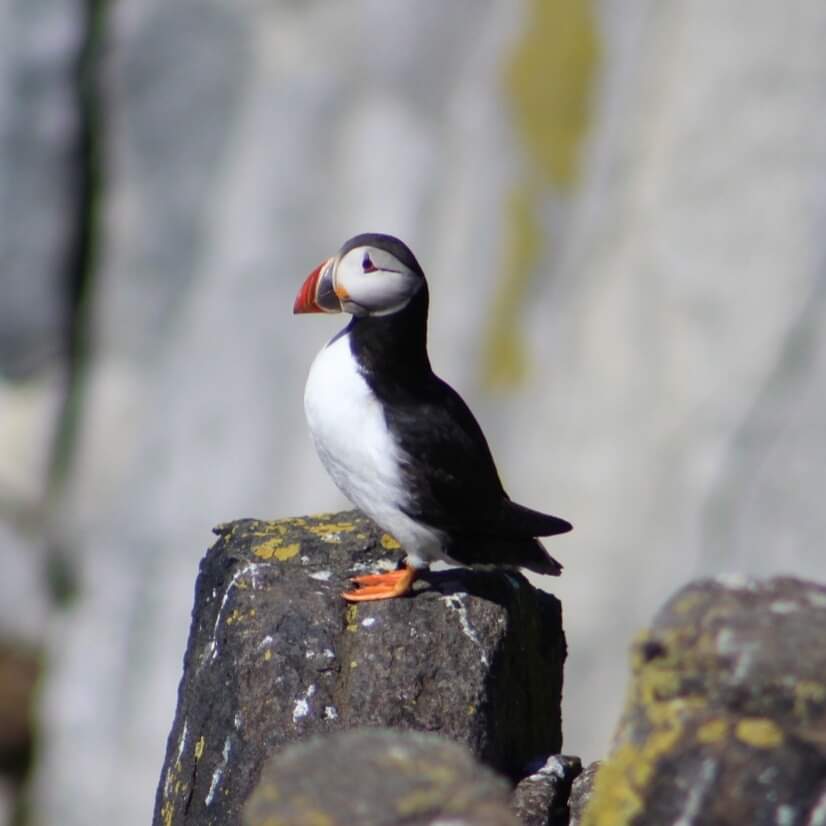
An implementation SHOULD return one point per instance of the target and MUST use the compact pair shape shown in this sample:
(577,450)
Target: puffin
(399,442)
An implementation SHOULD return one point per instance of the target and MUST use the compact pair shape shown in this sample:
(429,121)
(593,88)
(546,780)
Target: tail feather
(523,521)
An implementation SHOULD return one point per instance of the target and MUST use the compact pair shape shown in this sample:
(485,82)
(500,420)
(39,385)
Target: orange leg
(382,586)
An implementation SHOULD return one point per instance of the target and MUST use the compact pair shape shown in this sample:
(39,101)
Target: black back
(452,479)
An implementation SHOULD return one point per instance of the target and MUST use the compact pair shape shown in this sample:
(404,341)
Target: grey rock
(275,655)
(378,777)
(726,720)
(541,798)
(581,791)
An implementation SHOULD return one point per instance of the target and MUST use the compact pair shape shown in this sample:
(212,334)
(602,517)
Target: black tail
(522,521)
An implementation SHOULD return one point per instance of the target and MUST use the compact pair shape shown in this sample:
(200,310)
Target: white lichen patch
(322,576)
(265,642)
(302,704)
(382,564)
(744,653)
(182,741)
(457,604)
(330,713)
(818,814)
(218,773)
(250,569)
(784,606)
(553,767)
(368,621)
(817,599)
(697,794)
(736,582)
(304,559)
(785,816)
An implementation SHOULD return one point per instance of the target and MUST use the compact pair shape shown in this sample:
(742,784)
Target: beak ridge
(317,294)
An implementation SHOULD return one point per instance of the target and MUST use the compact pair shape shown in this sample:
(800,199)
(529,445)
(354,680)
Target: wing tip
(556,525)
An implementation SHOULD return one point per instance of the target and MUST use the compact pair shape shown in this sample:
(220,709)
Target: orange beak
(317,294)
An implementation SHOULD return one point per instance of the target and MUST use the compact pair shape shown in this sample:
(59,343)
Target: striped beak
(317,294)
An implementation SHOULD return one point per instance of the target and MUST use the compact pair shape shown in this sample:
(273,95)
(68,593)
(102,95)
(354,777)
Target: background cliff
(619,206)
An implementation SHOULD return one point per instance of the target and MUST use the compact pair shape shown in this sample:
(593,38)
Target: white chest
(350,433)
(349,430)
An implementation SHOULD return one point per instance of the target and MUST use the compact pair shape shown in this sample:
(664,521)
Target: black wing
(452,478)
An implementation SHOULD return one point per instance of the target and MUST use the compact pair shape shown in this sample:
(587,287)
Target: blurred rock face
(618,207)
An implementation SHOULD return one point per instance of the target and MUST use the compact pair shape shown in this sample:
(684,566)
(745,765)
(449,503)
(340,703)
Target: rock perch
(275,655)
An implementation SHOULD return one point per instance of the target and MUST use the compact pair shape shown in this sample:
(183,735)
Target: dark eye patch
(366,263)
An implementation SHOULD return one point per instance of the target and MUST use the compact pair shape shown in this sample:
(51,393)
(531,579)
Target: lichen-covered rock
(378,777)
(275,655)
(541,799)
(726,719)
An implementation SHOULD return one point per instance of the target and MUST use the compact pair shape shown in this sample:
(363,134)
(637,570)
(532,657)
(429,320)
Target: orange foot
(382,586)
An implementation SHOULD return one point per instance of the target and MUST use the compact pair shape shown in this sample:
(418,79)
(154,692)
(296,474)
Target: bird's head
(371,275)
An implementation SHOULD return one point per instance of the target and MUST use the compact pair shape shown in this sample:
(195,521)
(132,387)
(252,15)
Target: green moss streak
(548,82)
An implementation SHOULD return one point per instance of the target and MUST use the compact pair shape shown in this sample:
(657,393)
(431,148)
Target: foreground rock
(378,777)
(541,799)
(726,718)
(275,655)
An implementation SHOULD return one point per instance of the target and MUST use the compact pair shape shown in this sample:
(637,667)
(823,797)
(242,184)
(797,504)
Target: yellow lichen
(808,696)
(287,552)
(688,603)
(389,543)
(272,548)
(421,800)
(712,732)
(351,618)
(267,655)
(266,549)
(759,732)
(622,781)
(615,800)
(549,82)
(200,745)
(327,528)
(656,692)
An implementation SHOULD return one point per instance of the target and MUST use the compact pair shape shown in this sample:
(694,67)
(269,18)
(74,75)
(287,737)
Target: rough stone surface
(726,718)
(541,798)
(276,655)
(581,790)
(378,777)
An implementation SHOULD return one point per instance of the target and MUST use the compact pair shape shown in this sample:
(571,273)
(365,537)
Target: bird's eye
(367,265)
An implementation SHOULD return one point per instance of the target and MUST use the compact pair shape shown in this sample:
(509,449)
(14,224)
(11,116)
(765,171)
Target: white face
(371,281)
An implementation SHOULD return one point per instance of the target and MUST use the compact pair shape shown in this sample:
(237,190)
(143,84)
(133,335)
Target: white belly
(352,439)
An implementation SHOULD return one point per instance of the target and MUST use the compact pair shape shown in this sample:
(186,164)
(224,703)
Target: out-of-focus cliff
(619,206)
